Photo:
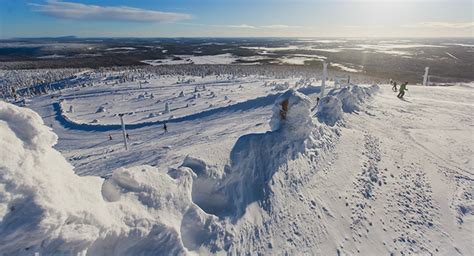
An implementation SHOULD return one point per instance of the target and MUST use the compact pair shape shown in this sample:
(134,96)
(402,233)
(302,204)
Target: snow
(365,174)
(345,68)
(52,56)
(458,44)
(226,58)
(352,96)
(271,49)
(395,52)
(300,59)
(46,208)
(329,110)
(325,41)
(297,115)
(121,49)
(348,99)
(254,58)
(397,46)
(327,50)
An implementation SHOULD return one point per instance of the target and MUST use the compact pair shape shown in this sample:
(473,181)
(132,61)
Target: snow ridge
(343,100)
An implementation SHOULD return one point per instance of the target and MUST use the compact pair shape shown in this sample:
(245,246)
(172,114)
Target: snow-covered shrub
(101,109)
(281,87)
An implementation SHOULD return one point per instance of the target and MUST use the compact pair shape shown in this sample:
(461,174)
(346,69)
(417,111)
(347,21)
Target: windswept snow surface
(387,177)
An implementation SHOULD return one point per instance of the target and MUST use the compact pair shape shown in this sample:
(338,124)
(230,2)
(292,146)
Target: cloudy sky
(237,18)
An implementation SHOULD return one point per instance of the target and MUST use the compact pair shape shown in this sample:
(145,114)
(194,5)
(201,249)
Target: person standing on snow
(403,88)
(165,127)
(394,87)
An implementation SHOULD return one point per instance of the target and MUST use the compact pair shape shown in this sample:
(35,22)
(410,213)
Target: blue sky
(237,18)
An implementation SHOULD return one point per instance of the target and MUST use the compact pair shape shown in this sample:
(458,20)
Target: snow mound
(353,96)
(291,112)
(45,207)
(329,110)
(344,100)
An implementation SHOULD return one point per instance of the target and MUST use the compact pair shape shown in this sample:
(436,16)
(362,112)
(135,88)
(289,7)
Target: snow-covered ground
(246,167)
(146,100)
(226,58)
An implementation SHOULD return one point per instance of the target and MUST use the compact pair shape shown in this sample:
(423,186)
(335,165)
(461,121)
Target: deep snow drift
(47,208)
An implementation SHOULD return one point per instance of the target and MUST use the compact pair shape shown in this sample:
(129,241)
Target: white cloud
(362,26)
(279,26)
(78,11)
(459,25)
(245,26)
(240,26)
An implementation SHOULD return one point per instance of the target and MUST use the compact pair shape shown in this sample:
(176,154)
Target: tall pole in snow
(323,82)
(124,133)
(425,77)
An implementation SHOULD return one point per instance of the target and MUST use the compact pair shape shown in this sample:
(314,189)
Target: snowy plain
(364,173)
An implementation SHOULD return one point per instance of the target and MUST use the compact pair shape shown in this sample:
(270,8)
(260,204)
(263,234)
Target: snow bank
(256,158)
(347,100)
(46,208)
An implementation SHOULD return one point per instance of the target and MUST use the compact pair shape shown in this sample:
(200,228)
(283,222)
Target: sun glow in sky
(237,18)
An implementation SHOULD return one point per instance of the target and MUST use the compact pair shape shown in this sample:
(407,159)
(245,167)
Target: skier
(128,137)
(165,127)
(403,88)
(394,87)
(110,137)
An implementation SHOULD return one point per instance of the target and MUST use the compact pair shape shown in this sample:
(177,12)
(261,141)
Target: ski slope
(364,173)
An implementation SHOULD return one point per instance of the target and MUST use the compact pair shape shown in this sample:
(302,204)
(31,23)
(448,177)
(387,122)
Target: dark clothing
(403,88)
(401,94)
